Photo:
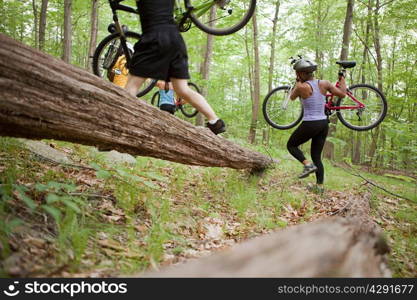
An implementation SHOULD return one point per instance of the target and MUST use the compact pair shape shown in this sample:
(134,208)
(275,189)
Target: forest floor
(99,219)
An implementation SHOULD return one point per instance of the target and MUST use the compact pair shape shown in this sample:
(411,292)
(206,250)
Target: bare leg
(194,98)
(133,84)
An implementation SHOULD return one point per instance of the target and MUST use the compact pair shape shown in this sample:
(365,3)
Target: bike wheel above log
(221,17)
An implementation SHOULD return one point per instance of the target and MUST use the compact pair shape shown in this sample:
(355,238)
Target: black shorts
(160,54)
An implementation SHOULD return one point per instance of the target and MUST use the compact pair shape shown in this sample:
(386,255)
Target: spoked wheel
(221,17)
(187,109)
(279,111)
(107,53)
(365,118)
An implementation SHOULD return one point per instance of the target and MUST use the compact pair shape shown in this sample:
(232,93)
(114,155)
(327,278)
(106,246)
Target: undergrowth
(106,219)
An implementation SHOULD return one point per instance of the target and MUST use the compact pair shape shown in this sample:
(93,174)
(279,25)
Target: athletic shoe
(218,127)
(168,108)
(308,169)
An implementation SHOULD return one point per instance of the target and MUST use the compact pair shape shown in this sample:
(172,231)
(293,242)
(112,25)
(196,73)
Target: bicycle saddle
(346,64)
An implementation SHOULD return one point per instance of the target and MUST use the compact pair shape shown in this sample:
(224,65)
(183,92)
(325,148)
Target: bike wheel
(226,17)
(279,111)
(107,52)
(187,109)
(155,99)
(365,118)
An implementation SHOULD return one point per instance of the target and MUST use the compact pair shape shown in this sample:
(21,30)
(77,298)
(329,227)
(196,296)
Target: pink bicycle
(363,108)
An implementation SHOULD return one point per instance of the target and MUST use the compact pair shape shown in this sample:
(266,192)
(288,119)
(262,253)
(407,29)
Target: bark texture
(66,56)
(256,85)
(43,97)
(42,24)
(93,34)
(205,66)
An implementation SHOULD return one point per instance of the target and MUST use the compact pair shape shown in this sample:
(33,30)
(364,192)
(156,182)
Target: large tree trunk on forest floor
(43,97)
(350,246)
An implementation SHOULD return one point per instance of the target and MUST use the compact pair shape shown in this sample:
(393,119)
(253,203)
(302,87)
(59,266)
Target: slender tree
(93,33)
(377,45)
(42,24)
(205,66)
(344,53)
(257,82)
(35,23)
(273,43)
(67,31)
(347,30)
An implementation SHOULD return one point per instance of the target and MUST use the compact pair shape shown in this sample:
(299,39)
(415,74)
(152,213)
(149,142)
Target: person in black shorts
(161,54)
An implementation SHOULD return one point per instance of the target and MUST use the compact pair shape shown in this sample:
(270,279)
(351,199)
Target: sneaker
(168,108)
(308,169)
(218,127)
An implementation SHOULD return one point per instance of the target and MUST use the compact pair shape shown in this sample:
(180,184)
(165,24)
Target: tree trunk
(42,24)
(347,30)
(357,149)
(66,56)
(35,23)
(93,34)
(250,64)
(337,247)
(320,18)
(273,42)
(42,97)
(328,151)
(257,83)
(205,66)
(377,45)
(265,136)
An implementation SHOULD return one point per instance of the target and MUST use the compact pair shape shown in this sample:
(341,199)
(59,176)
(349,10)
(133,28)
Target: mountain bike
(187,109)
(217,17)
(363,108)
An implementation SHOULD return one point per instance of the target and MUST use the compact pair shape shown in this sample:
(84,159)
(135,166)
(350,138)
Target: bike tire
(100,48)
(193,112)
(377,121)
(269,99)
(224,31)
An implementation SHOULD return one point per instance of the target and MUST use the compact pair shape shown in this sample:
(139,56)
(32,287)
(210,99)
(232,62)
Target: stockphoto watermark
(64,288)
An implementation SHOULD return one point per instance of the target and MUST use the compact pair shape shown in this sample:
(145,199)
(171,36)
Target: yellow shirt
(120,72)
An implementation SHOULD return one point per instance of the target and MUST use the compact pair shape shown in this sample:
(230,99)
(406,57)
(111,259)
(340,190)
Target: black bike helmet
(112,28)
(305,65)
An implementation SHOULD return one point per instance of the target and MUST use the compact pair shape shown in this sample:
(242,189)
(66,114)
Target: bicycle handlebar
(115,5)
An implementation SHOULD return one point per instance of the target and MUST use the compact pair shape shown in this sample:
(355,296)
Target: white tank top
(313,106)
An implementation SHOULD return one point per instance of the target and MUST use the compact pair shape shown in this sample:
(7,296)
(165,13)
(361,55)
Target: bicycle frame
(329,101)
(115,6)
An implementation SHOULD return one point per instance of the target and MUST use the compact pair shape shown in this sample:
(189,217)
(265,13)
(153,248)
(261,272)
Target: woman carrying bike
(161,54)
(315,124)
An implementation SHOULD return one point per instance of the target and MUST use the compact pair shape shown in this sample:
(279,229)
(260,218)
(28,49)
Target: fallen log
(350,246)
(41,97)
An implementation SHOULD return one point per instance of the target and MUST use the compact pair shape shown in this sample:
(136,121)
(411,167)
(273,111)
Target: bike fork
(287,99)
(122,37)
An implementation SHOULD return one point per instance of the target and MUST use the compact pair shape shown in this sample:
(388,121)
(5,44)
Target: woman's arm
(337,91)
